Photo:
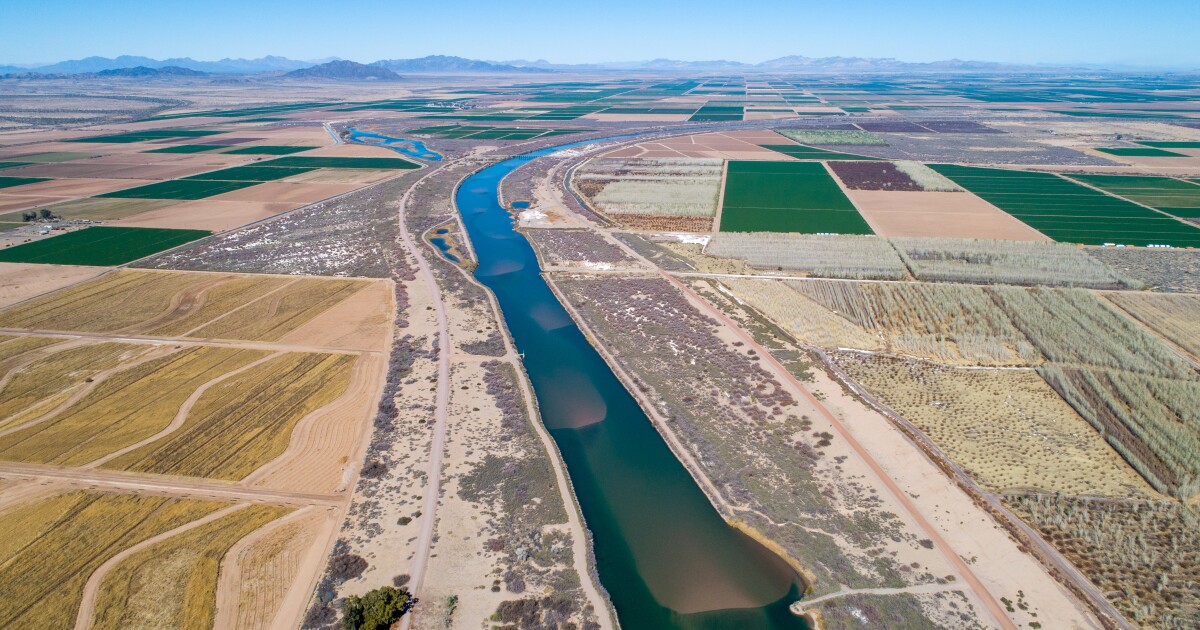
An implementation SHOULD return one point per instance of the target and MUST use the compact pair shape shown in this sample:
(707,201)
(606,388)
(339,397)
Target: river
(666,557)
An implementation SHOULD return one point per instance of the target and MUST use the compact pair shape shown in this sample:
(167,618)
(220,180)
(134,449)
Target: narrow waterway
(666,557)
(403,146)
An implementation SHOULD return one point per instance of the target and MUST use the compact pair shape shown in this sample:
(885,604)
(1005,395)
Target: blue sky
(1162,32)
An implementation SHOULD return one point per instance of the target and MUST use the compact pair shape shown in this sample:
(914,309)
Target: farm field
(1069,212)
(786,197)
(53,545)
(1005,262)
(100,246)
(198,305)
(651,186)
(1128,549)
(1165,270)
(179,189)
(826,256)
(801,152)
(173,583)
(1007,428)
(1174,196)
(1176,317)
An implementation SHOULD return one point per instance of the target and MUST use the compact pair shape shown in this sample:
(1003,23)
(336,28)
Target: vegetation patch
(649,186)
(826,256)
(873,176)
(246,421)
(1005,262)
(179,189)
(1153,422)
(801,152)
(100,246)
(186,148)
(267,149)
(52,546)
(1139,152)
(148,135)
(786,197)
(173,584)
(1176,317)
(10,182)
(1007,428)
(1145,556)
(252,173)
(831,136)
(283,311)
(1168,270)
(341,162)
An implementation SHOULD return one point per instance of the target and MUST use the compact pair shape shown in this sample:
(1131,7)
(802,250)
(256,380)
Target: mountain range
(450,64)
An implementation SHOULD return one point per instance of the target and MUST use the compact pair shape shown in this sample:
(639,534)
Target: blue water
(444,246)
(411,148)
(665,556)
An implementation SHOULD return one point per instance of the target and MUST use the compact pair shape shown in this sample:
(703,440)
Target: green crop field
(1174,196)
(717,113)
(149,134)
(1186,144)
(100,246)
(1070,212)
(1139,152)
(179,189)
(341,162)
(801,152)
(186,148)
(9,182)
(459,132)
(251,173)
(787,197)
(12,164)
(268,149)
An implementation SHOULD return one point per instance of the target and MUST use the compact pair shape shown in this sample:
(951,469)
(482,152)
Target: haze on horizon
(1100,32)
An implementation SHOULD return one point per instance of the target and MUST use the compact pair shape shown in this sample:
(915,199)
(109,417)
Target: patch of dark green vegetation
(341,162)
(1174,196)
(1139,152)
(10,182)
(787,197)
(100,246)
(718,113)
(147,135)
(1170,144)
(1070,212)
(268,149)
(12,164)
(186,148)
(179,189)
(251,173)
(801,152)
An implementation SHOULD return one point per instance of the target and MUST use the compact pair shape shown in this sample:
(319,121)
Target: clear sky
(1156,32)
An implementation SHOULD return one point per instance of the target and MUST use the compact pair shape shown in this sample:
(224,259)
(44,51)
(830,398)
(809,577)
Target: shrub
(377,610)
(346,566)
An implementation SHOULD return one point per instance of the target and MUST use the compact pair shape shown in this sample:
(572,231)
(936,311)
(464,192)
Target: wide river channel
(666,557)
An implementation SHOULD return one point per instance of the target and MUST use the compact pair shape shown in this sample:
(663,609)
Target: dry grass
(831,136)
(126,408)
(268,566)
(1176,317)
(13,346)
(281,312)
(173,584)
(112,302)
(246,421)
(1007,427)
(810,322)
(231,293)
(947,323)
(41,385)
(50,547)
(1145,556)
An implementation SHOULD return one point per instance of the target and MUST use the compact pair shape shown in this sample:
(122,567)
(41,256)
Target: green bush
(377,610)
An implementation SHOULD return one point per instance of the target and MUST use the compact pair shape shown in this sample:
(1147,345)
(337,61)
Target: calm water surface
(667,559)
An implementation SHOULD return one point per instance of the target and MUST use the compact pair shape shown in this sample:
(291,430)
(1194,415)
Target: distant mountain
(241,66)
(143,71)
(345,70)
(445,63)
(791,63)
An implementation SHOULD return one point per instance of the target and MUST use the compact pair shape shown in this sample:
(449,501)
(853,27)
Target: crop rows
(278,314)
(1168,270)
(1007,427)
(948,323)
(828,256)
(669,187)
(1153,422)
(49,381)
(873,176)
(245,422)
(1074,327)
(831,136)
(1145,556)
(173,584)
(51,547)
(1176,317)
(1004,262)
